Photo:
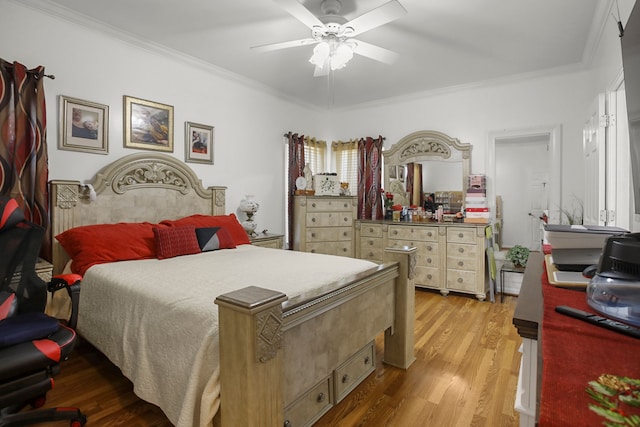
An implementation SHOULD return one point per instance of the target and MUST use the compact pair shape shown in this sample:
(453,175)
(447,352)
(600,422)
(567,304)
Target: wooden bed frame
(282,361)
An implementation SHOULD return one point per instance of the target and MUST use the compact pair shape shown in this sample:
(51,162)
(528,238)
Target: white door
(522,178)
(594,151)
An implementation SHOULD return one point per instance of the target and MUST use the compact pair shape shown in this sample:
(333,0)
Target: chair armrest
(70,282)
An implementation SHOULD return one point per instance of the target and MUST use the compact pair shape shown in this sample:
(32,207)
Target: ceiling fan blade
(301,13)
(283,45)
(375,52)
(381,15)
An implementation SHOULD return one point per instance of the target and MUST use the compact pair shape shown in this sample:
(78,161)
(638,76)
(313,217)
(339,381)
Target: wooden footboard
(286,362)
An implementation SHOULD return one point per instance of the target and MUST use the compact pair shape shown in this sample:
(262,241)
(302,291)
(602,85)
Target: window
(315,153)
(346,155)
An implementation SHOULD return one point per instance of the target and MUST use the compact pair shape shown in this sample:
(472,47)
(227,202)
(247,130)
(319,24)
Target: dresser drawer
(371,230)
(462,263)
(425,234)
(461,235)
(427,276)
(329,205)
(329,219)
(371,249)
(461,280)
(309,407)
(461,251)
(329,234)
(342,248)
(353,371)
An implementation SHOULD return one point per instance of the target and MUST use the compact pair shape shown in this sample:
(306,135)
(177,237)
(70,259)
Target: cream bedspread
(157,321)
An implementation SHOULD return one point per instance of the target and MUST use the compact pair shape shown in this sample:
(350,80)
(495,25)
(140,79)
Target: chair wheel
(78,423)
(38,402)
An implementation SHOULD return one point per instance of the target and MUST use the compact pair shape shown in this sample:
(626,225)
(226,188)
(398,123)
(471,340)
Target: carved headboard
(135,188)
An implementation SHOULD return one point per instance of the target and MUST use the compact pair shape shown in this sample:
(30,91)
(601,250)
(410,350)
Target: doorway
(525,166)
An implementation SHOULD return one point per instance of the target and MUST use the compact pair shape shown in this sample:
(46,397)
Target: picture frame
(393,174)
(401,173)
(84,126)
(198,143)
(148,125)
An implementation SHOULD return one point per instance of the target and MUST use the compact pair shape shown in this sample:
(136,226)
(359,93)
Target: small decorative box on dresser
(324,224)
(450,257)
(267,240)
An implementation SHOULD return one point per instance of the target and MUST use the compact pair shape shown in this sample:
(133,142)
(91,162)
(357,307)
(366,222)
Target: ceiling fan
(333,35)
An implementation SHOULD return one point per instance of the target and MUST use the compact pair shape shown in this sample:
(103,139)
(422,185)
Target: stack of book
(476,207)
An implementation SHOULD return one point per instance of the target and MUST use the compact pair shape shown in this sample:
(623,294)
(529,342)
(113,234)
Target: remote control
(599,321)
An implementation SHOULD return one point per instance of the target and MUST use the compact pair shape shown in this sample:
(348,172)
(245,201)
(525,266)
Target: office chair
(32,344)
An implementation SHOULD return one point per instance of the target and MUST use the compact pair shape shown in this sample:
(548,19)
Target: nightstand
(267,240)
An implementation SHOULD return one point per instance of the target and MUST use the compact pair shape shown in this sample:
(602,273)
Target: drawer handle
(321,397)
(313,220)
(429,234)
(366,360)
(395,231)
(345,234)
(429,276)
(346,205)
(313,234)
(461,250)
(370,254)
(313,204)
(371,230)
(313,251)
(345,219)
(345,378)
(287,423)
(429,248)
(371,242)
(460,235)
(428,260)
(460,263)
(344,249)
(460,280)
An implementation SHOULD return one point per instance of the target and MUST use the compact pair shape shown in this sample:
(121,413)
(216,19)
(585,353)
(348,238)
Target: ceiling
(442,43)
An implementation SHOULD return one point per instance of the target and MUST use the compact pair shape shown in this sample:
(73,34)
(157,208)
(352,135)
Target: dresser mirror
(445,164)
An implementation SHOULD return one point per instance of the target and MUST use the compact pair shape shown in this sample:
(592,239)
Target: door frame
(555,164)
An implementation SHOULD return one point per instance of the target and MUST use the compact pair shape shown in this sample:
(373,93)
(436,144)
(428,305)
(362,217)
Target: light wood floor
(465,374)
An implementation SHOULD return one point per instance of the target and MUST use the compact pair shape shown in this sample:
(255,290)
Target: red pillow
(228,222)
(176,241)
(96,244)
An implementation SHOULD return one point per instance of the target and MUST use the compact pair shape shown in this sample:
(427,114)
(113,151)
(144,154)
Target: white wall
(249,122)
(95,66)
(471,114)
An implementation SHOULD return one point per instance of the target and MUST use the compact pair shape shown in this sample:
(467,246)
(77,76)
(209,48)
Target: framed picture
(393,174)
(401,173)
(84,126)
(198,143)
(148,125)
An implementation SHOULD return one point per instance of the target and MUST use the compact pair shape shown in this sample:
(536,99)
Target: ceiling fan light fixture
(321,52)
(341,55)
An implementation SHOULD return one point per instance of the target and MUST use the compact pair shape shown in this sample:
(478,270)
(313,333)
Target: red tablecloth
(575,352)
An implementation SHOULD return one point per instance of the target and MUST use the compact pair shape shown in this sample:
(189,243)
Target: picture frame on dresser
(148,125)
(84,126)
(198,143)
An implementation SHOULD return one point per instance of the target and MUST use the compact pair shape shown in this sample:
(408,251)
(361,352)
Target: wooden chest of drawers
(324,224)
(450,257)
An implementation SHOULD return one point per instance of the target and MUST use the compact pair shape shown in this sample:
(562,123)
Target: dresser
(450,257)
(324,224)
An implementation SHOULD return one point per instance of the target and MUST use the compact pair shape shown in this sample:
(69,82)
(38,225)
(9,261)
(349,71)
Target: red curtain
(24,170)
(370,178)
(296,169)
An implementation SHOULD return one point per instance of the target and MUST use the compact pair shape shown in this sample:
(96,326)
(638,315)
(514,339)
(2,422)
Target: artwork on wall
(401,173)
(198,143)
(393,174)
(84,126)
(148,125)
